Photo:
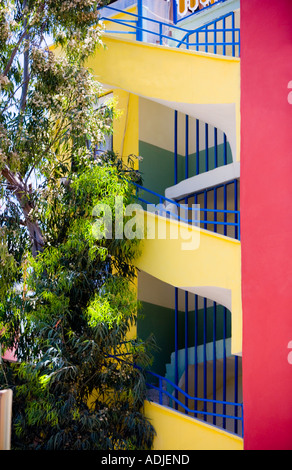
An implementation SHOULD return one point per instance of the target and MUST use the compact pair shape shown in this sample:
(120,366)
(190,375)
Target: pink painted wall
(9,356)
(266,208)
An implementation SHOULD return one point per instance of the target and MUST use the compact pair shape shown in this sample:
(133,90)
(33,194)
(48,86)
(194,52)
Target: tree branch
(14,52)
(8,104)
(26,29)
(25,78)
(22,194)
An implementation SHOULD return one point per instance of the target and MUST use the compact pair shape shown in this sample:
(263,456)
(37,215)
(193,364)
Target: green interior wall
(157,166)
(161,322)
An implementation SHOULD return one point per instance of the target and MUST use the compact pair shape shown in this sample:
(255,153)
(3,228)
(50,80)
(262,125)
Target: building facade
(205,93)
(204,90)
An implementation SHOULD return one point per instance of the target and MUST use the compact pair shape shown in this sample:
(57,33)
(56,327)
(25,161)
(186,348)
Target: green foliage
(78,313)
(67,299)
(76,387)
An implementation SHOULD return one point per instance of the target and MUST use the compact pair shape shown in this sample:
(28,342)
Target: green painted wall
(157,166)
(161,322)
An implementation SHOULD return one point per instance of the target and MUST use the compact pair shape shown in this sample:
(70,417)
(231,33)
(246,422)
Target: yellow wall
(136,69)
(171,75)
(193,434)
(126,125)
(167,73)
(213,261)
(126,137)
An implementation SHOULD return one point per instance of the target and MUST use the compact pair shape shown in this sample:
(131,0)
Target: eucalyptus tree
(67,297)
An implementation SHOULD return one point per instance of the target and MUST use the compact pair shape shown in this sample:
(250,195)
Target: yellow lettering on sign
(182,7)
(192,5)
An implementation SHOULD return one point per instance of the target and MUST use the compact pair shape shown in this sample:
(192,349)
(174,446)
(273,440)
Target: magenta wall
(266,196)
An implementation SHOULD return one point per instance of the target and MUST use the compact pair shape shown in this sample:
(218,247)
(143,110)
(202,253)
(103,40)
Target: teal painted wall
(157,166)
(161,322)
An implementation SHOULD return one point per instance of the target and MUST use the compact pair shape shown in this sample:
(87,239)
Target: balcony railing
(191,405)
(179,400)
(220,36)
(194,215)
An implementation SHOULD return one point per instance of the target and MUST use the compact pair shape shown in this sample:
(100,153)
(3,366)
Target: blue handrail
(176,388)
(210,28)
(138,28)
(164,209)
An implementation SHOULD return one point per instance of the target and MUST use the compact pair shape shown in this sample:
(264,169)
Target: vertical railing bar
(239,43)
(225,208)
(174,9)
(215,147)
(215,208)
(198,146)
(207,147)
(215,37)
(224,365)
(205,356)
(187,148)
(160,34)
(206,39)
(224,36)
(236,357)
(160,205)
(239,226)
(225,149)
(186,347)
(233,34)
(196,354)
(139,34)
(214,359)
(205,207)
(236,209)
(236,393)
(176,344)
(186,216)
(197,41)
(175,146)
(160,391)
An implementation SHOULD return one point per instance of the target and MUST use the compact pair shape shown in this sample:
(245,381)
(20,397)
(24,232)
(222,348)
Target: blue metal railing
(213,28)
(202,160)
(209,329)
(212,193)
(225,39)
(175,402)
(172,209)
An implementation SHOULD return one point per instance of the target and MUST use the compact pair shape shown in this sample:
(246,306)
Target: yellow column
(126,125)
(126,138)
